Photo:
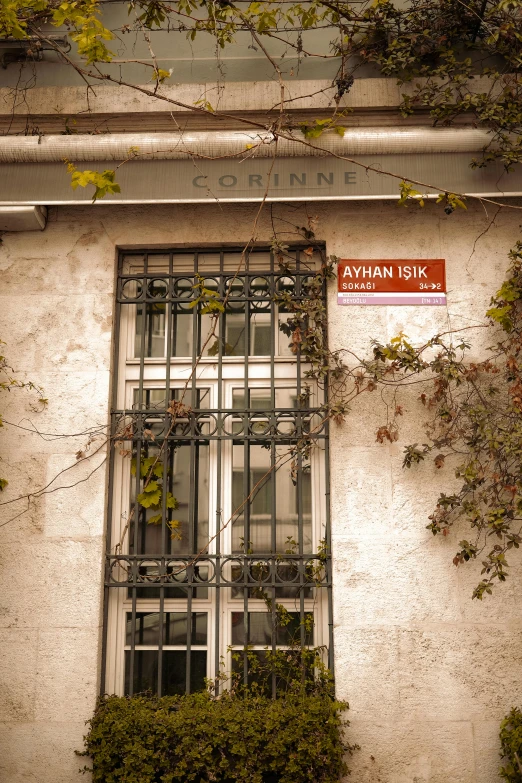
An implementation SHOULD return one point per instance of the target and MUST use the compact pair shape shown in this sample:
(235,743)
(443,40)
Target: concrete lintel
(367,94)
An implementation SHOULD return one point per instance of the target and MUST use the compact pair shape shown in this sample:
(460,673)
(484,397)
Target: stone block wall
(428,673)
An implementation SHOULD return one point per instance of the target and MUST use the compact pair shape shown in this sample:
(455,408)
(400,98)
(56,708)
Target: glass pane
(133,263)
(286,571)
(294,500)
(208,336)
(174,664)
(175,628)
(260,334)
(182,330)
(233,262)
(234,334)
(154,327)
(259,261)
(210,262)
(147,628)
(183,262)
(145,671)
(260,628)
(152,399)
(258,513)
(284,341)
(260,398)
(156,399)
(174,671)
(151,572)
(182,538)
(293,503)
(158,262)
(187,501)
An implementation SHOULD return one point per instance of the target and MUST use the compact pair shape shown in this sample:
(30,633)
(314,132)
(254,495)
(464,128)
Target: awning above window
(242,167)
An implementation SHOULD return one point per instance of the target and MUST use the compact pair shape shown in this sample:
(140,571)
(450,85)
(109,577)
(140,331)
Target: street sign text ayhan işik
(391,282)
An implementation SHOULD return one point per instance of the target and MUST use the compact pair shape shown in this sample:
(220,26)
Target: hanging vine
(474,408)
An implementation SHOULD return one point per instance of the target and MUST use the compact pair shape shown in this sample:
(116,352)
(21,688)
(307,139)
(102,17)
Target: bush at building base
(511,741)
(236,738)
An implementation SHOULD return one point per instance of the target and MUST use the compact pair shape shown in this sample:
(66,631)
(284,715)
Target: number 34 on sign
(392,282)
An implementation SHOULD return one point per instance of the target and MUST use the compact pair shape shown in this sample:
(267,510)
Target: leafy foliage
(103,181)
(475,418)
(206,298)
(242,737)
(15,14)
(318,127)
(511,744)
(151,498)
(457,60)
(475,412)
(89,32)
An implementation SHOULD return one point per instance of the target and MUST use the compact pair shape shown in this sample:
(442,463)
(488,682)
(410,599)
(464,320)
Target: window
(217,524)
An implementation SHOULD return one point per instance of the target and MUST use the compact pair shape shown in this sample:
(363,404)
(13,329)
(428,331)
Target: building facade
(97,308)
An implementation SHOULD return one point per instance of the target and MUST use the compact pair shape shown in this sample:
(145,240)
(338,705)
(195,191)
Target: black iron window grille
(217,522)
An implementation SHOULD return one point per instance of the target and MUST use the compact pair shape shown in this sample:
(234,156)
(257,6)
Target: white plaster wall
(427,672)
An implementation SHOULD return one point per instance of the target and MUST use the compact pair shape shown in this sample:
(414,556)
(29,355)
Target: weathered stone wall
(428,672)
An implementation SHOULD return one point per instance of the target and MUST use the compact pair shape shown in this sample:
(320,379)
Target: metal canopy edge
(253,180)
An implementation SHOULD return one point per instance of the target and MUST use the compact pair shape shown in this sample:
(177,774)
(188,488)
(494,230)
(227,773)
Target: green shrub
(511,741)
(236,738)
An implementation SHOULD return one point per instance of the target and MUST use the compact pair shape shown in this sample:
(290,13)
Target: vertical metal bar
(148,308)
(108,533)
(273,416)
(160,639)
(138,513)
(272,478)
(165,479)
(246,626)
(143,333)
(246,549)
(328,537)
(246,471)
(196,321)
(271,560)
(219,446)
(133,643)
(299,478)
(189,632)
(300,563)
(192,517)
(328,564)
(191,522)
(298,292)
(165,485)
(273,487)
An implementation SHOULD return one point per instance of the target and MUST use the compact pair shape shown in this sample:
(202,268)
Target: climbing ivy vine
(473,411)
(9,382)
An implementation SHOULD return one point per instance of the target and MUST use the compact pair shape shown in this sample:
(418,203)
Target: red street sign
(392,282)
